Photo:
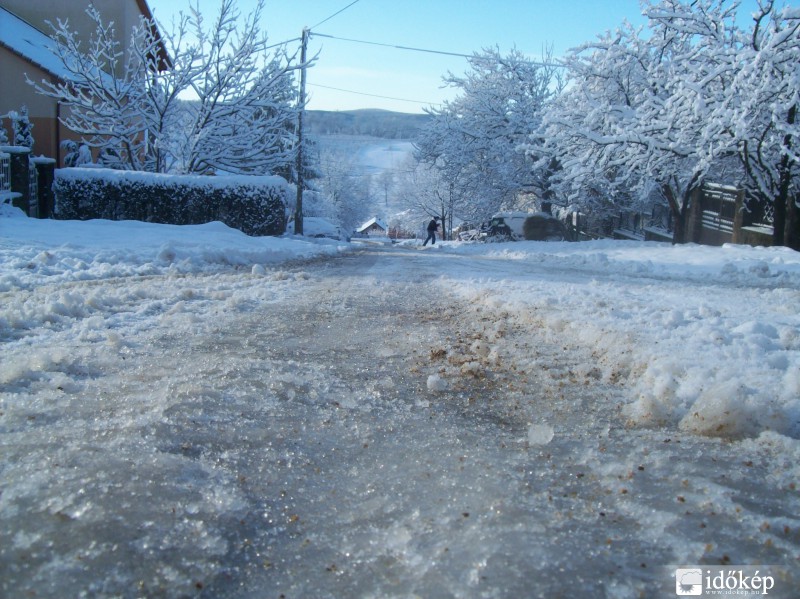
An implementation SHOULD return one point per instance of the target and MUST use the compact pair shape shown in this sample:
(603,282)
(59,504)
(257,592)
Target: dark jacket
(432,226)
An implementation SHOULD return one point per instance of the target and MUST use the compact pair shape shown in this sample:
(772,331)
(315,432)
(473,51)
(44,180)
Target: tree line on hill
(373,123)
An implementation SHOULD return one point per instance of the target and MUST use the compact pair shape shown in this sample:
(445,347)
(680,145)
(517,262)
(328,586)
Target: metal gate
(33,189)
(5,172)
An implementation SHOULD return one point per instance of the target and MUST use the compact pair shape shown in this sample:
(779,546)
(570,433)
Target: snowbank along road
(348,427)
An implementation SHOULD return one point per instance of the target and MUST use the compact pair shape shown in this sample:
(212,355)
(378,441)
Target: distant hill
(371,122)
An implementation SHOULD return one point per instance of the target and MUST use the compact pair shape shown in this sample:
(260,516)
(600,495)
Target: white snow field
(190,412)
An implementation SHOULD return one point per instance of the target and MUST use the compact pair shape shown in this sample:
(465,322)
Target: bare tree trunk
(792,235)
(786,218)
(779,204)
(680,215)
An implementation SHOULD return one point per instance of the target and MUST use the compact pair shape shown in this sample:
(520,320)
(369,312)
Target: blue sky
(414,79)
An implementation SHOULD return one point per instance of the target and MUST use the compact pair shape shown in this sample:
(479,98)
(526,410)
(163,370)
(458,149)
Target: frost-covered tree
(225,101)
(637,107)
(672,105)
(343,195)
(427,193)
(244,117)
(761,115)
(101,93)
(384,183)
(473,140)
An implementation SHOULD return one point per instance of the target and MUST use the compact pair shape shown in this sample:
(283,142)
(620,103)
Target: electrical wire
(429,51)
(349,91)
(283,43)
(346,39)
(334,14)
(396,47)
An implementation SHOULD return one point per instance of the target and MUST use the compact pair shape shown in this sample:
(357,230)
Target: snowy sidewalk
(348,428)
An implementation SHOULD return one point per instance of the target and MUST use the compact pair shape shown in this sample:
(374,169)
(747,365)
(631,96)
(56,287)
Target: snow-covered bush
(254,205)
(21,123)
(76,154)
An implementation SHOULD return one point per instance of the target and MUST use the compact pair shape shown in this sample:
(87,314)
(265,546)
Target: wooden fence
(719,215)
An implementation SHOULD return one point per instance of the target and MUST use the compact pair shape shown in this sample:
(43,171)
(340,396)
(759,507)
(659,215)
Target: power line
(334,14)
(309,33)
(345,39)
(283,43)
(349,91)
(427,50)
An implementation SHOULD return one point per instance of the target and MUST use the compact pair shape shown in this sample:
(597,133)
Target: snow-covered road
(354,427)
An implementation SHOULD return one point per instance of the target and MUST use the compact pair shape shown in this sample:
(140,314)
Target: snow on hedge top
(215,182)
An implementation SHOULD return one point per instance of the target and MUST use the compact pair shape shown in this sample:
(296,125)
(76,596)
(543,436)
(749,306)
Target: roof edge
(164,60)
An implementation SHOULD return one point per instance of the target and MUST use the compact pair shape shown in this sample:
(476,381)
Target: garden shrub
(255,205)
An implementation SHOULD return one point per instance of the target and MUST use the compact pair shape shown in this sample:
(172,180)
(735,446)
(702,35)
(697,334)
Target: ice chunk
(472,369)
(540,434)
(760,269)
(673,319)
(166,254)
(722,411)
(436,384)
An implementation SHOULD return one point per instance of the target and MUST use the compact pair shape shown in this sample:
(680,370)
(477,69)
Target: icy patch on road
(235,434)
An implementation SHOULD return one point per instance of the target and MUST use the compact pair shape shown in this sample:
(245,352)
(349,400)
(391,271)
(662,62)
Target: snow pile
(38,255)
(705,339)
(36,251)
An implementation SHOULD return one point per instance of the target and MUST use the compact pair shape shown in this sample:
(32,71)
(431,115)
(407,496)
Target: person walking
(433,226)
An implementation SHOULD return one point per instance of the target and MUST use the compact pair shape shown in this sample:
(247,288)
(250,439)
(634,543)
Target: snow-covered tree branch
(638,105)
(99,90)
(244,117)
(764,124)
(473,140)
(226,102)
(675,104)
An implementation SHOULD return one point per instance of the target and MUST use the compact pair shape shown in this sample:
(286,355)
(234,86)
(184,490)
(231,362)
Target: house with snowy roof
(374,227)
(26,52)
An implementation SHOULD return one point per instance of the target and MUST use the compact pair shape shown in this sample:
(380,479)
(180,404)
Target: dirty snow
(190,412)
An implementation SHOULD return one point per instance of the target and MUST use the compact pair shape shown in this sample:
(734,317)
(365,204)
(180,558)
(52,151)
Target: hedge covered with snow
(254,205)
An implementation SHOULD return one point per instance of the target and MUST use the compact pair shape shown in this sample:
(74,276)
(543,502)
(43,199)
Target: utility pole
(298,208)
